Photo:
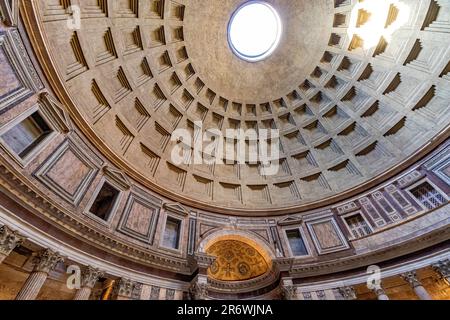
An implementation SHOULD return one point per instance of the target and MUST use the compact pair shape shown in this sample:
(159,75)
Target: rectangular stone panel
(70,170)
(140,216)
(327,236)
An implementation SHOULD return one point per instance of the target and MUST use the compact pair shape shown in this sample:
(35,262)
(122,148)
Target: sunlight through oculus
(254,31)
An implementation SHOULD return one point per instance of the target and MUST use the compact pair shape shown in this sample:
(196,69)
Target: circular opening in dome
(254,31)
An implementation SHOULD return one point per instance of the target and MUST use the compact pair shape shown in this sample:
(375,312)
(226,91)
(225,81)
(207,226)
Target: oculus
(254,31)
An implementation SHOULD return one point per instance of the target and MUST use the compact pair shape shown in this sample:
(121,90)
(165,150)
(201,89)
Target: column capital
(411,278)
(289,292)
(348,293)
(46,260)
(90,276)
(199,291)
(123,288)
(199,288)
(9,240)
(442,268)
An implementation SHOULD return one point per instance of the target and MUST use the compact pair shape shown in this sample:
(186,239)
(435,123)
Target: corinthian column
(381,294)
(288,290)
(443,269)
(421,292)
(8,241)
(44,262)
(199,288)
(89,278)
(123,289)
(348,293)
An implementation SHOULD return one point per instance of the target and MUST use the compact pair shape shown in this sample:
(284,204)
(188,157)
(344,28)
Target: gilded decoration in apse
(236,261)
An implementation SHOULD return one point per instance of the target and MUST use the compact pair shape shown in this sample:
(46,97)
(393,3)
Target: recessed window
(429,196)
(26,135)
(254,31)
(105,202)
(358,226)
(172,233)
(296,243)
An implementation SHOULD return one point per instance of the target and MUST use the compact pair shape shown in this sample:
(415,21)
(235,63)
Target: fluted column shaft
(44,262)
(421,292)
(89,278)
(83,294)
(32,286)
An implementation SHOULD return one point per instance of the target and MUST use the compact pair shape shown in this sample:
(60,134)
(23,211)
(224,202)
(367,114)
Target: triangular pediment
(176,208)
(294,220)
(118,177)
(55,113)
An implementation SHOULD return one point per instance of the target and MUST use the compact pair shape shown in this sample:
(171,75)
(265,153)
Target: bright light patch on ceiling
(254,31)
(379,13)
